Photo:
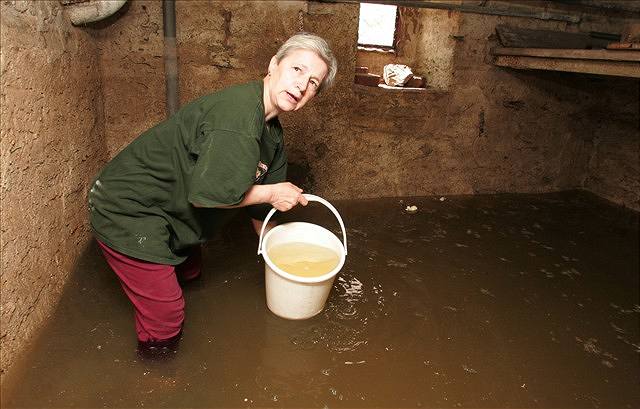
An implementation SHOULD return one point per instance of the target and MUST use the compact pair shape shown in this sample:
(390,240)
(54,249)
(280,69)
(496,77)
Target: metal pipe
(511,11)
(170,55)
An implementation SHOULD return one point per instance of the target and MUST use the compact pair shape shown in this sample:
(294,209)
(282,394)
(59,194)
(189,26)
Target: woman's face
(295,80)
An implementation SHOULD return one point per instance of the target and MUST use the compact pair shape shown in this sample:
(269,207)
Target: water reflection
(292,359)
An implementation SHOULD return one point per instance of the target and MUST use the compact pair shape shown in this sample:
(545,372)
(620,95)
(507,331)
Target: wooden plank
(615,68)
(606,55)
(624,46)
(461,6)
(528,38)
(612,5)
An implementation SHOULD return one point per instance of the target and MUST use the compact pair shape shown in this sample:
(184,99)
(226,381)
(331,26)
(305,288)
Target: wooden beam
(608,55)
(517,37)
(613,5)
(603,62)
(624,46)
(512,11)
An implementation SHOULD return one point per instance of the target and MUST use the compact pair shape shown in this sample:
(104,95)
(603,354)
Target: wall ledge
(385,89)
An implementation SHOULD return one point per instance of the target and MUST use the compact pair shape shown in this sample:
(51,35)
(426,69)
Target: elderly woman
(159,199)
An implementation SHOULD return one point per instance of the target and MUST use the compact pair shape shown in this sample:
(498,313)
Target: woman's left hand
(284,196)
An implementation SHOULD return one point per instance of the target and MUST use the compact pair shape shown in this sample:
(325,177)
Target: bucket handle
(311,198)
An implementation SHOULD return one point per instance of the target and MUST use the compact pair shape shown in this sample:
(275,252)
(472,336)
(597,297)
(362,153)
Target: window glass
(377,24)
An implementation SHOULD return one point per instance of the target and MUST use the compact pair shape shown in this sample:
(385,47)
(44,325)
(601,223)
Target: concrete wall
(51,143)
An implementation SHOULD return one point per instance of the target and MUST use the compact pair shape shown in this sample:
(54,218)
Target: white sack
(396,75)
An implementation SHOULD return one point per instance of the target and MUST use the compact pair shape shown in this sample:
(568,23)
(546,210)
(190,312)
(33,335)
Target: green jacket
(209,154)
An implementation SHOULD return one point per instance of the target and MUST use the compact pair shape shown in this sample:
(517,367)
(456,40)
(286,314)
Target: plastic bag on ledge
(396,75)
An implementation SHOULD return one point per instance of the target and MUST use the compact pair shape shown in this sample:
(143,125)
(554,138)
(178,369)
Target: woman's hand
(286,195)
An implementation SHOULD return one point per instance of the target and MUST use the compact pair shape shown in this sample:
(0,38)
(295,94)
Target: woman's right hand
(285,196)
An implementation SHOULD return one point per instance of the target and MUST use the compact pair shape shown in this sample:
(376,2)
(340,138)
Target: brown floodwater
(473,301)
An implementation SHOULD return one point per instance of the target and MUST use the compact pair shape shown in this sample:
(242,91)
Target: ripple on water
(281,384)
(332,335)
(394,263)
(350,293)
(348,311)
(571,273)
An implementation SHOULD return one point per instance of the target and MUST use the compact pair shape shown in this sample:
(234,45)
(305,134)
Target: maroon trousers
(154,291)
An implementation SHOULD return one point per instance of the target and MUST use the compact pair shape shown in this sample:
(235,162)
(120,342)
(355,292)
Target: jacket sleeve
(224,169)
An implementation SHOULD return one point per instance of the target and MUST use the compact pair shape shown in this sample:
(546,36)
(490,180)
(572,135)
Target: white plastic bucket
(290,296)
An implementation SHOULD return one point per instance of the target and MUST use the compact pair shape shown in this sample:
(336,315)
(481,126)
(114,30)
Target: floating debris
(469,369)
(487,292)
(411,209)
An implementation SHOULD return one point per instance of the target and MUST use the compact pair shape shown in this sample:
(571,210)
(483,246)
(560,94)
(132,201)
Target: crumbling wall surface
(219,43)
(539,131)
(222,43)
(51,130)
(516,130)
(491,129)
(130,49)
(613,169)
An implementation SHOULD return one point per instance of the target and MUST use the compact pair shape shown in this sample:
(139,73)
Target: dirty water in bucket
(475,301)
(304,259)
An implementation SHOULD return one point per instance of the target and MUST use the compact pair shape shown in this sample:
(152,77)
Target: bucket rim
(310,198)
(299,279)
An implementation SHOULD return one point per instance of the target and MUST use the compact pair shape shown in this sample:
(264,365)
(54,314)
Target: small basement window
(387,35)
(377,26)
(377,44)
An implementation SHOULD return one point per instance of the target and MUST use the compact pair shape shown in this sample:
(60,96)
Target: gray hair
(312,42)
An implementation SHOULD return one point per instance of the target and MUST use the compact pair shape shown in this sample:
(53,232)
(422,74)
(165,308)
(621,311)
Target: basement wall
(613,169)
(478,129)
(71,98)
(52,145)
(495,129)
(130,55)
